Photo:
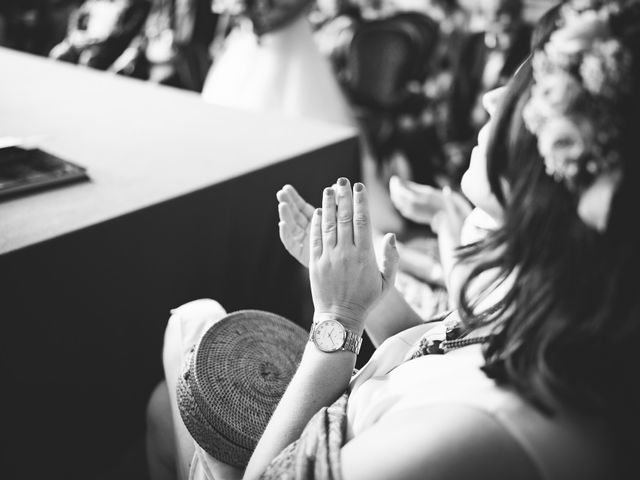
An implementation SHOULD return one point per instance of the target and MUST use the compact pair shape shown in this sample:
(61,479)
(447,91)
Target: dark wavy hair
(568,326)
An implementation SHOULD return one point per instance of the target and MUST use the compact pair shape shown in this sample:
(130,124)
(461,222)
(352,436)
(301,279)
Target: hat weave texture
(233,379)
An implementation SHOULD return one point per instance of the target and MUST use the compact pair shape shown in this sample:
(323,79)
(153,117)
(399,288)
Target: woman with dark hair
(568,323)
(537,378)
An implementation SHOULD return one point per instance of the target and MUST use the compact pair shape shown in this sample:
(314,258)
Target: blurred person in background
(34,26)
(334,23)
(174,45)
(485,61)
(453,22)
(423,132)
(270,62)
(100,31)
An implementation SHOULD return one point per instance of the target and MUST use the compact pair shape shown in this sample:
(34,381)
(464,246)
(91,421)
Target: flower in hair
(563,145)
(604,68)
(581,77)
(578,35)
(557,92)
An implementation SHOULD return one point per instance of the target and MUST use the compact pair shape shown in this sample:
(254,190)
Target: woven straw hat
(233,379)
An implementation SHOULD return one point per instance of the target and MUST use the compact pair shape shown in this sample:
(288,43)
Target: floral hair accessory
(581,78)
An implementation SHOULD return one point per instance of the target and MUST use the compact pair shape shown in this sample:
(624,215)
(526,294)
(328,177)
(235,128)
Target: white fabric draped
(282,72)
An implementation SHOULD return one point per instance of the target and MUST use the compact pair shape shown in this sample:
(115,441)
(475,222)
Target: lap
(187,324)
(277,346)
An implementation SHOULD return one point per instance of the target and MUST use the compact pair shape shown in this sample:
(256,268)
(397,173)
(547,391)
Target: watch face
(329,335)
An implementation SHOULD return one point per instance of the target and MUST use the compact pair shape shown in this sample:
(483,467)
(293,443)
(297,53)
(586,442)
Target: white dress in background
(282,72)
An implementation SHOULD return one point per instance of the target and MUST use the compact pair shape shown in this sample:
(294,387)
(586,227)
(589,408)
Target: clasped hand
(343,271)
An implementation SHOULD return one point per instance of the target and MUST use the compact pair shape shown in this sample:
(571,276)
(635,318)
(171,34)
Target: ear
(594,205)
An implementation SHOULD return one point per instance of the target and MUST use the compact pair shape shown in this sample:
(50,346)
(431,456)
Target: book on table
(24,170)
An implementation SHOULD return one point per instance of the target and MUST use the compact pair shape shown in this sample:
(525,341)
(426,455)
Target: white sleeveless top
(561,447)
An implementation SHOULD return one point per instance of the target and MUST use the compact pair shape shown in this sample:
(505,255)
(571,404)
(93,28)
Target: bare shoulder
(436,442)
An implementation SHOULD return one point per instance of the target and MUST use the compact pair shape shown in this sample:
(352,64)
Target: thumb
(390,259)
(448,201)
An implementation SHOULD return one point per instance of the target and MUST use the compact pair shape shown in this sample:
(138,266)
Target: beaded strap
(462,342)
(439,347)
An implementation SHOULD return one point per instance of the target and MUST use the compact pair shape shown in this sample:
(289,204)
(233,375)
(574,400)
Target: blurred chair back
(386,57)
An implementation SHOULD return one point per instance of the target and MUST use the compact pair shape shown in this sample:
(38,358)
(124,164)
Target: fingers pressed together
(343,220)
(293,208)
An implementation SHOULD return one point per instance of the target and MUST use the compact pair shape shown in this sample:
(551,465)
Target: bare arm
(391,315)
(420,264)
(345,284)
(445,211)
(320,379)
(448,225)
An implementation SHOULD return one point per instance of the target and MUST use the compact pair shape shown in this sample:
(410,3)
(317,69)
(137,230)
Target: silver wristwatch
(331,336)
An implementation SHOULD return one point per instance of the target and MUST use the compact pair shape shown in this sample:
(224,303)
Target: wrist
(332,334)
(436,222)
(350,321)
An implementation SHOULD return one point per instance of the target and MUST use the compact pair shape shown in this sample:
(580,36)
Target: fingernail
(392,240)
(318,211)
(328,191)
(358,187)
(342,181)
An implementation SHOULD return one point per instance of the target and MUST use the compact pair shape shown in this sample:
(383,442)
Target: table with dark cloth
(181,205)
